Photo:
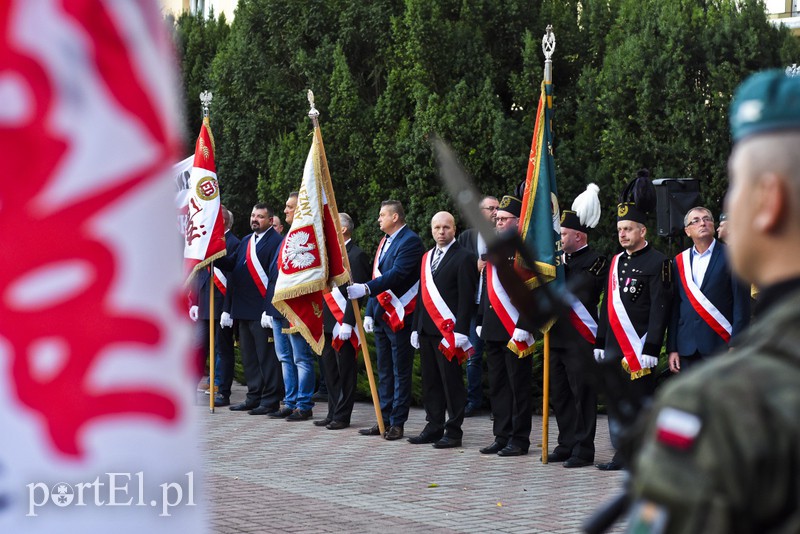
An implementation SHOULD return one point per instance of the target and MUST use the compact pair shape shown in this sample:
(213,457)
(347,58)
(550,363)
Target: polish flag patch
(677,429)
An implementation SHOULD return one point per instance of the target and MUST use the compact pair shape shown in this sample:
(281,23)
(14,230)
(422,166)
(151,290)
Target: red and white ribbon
(505,310)
(337,305)
(704,307)
(581,319)
(395,308)
(629,341)
(260,277)
(221,281)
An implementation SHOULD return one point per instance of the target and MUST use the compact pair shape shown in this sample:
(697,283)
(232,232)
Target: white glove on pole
(266,320)
(599,355)
(461,340)
(345,331)
(647,361)
(522,336)
(415,339)
(478,330)
(369,325)
(225,320)
(356,291)
(193,313)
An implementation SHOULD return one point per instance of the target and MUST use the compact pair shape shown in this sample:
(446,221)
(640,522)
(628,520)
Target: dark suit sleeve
(675,314)
(467,285)
(602,322)
(360,272)
(660,306)
(741,306)
(406,261)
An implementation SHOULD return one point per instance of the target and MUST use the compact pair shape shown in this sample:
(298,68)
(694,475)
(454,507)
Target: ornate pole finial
(205,99)
(548,47)
(313,113)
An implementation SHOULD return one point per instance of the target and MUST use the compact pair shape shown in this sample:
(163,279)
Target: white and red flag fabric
(96,382)
(205,229)
(311,258)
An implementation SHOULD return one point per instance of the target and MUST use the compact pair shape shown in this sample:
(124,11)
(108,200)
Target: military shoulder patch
(677,429)
(597,267)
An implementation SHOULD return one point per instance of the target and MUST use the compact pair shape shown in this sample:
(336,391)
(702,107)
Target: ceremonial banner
(310,259)
(96,383)
(205,230)
(539,223)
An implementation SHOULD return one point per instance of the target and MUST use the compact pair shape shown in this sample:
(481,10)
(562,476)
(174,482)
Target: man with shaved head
(448,280)
(720,452)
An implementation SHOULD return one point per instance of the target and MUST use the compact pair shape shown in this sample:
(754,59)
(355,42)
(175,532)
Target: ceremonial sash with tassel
(581,319)
(260,277)
(630,343)
(337,305)
(442,316)
(704,307)
(395,308)
(505,311)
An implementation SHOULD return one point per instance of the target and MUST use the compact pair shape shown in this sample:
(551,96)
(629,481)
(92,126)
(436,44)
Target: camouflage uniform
(722,446)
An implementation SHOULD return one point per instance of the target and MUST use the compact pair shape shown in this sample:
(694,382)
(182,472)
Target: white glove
(522,336)
(356,291)
(369,325)
(599,355)
(415,339)
(193,313)
(648,361)
(462,341)
(266,320)
(478,330)
(345,331)
(225,320)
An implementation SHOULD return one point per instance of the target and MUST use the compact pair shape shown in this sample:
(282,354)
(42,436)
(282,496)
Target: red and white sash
(629,341)
(442,316)
(337,304)
(704,307)
(395,308)
(220,281)
(581,319)
(505,311)
(260,277)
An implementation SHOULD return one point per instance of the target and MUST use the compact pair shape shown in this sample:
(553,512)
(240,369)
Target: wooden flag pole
(545,397)
(211,329)
(314,115)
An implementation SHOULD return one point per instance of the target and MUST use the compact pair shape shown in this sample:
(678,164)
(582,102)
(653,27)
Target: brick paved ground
(267,475)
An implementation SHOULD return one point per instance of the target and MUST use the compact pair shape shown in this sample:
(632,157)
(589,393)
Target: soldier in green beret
(720,451)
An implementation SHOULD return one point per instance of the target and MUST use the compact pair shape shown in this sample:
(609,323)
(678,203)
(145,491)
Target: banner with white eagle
(310,259)
(99,433)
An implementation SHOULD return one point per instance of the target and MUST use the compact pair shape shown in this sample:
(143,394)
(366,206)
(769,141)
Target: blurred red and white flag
(95,372)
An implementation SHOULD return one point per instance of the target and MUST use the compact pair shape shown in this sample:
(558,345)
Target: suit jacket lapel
(392,246)
(711,265)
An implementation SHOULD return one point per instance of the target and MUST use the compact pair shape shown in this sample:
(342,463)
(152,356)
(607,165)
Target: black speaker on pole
(674,197)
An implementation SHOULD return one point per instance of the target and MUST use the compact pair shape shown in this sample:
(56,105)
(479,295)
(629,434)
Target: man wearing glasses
(709,306)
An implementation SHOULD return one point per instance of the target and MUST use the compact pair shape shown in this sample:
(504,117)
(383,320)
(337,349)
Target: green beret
(767,101)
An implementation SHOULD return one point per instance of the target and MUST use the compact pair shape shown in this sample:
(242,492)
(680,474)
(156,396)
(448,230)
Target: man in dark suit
(474,243)
(390,312)
(448,280)
(709,306)
(223,336)
(339,356)
(249,300)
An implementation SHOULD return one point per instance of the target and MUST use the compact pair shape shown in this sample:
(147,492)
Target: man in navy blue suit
(709,306)
(393,296)
(249,300)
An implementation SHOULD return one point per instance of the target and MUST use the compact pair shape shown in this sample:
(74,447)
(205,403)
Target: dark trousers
(511,394)
(340,373)
(395,358)
(573,397)
(442,389)
(641,389)
(223,339)
(262,371)
(475,369)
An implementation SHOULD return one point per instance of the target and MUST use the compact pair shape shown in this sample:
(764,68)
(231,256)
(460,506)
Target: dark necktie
(436,259)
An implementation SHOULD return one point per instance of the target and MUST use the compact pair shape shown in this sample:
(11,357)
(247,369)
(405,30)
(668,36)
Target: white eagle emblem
(298,251)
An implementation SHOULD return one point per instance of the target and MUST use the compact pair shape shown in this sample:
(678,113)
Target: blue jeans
(475,369)
(395,359)
(304,368)
(283,349)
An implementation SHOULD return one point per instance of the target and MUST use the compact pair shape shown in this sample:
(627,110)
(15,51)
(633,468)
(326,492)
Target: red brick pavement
(266,475)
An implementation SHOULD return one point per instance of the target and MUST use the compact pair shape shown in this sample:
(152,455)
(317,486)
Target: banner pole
(545,397)
(211,329)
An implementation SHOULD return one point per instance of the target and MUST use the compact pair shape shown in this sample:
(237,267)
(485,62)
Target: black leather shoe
(300,415)
(219,400)
(447,443)
(558,456)
(371,431)
(394,432)
(261,410)
(322,422)
(574,461)
(512,450)
(281,413)
(424,438)
(242,407)
(494,448)
(336,425)
(609,466)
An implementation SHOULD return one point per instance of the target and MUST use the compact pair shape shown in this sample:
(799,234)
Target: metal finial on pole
(205,99)
(548,47)
(313,113)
